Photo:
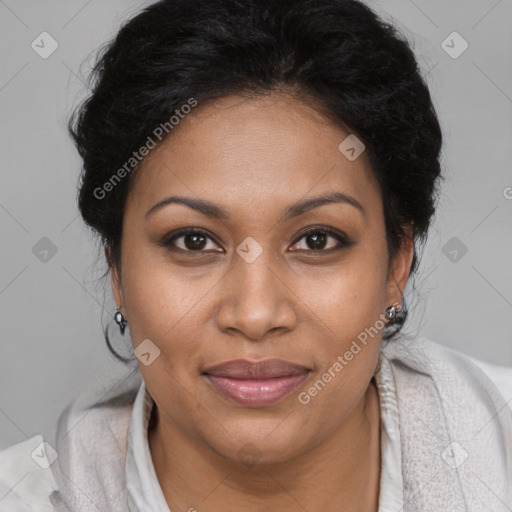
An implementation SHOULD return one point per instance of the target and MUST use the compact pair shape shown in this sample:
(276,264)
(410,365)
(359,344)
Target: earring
(120,320)
(391,313)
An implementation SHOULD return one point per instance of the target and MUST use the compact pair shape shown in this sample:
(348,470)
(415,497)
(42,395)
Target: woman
(260,175)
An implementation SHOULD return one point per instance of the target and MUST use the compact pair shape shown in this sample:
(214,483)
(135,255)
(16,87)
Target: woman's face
(264,280)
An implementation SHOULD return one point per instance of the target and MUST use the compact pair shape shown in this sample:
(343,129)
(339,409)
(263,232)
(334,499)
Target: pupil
(318,240)
(198,241)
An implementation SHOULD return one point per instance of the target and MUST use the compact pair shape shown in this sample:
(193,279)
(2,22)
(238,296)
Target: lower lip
(254,392)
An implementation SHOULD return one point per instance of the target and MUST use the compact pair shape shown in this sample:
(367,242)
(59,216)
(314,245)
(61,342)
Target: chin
(260,443)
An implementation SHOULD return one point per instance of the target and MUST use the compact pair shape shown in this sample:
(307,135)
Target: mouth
(256,384)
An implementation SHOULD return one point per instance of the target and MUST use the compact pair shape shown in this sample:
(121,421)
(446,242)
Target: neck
(342,473)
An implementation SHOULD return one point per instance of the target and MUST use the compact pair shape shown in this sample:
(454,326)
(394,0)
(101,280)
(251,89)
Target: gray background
(51,311)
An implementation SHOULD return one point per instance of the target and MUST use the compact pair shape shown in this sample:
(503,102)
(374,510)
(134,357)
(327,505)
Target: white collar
(144,491)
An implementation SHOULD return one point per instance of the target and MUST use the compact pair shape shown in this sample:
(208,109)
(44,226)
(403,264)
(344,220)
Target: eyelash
(343,241)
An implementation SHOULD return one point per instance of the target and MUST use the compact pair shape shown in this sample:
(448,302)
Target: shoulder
(26,478)
(450,365)
(33,476)
(501,376)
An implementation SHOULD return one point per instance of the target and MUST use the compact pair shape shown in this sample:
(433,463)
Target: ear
(400,268)
(115,280)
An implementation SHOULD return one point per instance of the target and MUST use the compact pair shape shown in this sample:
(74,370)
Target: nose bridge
(256,300)
(254,275)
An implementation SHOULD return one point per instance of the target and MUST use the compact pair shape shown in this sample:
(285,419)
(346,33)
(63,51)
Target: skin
(255,157)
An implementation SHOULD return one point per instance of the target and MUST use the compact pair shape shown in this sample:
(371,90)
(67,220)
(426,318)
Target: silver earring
(391,313)
(120,320)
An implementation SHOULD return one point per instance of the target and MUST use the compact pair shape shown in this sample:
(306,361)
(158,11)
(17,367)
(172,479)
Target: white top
(27,482)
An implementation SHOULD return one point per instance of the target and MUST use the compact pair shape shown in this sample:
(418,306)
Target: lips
(256,384)
(265,369)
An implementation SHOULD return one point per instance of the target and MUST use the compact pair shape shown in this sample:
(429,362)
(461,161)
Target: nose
(256,300)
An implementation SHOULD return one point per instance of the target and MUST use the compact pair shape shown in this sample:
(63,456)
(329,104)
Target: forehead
(254,152)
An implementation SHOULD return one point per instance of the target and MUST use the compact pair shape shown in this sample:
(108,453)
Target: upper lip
(264,369)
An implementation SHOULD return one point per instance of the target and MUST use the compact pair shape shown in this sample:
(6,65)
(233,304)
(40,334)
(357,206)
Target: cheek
(165,306)
(347,309)
(159,294)
(346,298)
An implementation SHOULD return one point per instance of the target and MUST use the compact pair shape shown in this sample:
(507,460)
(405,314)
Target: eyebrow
(296,209)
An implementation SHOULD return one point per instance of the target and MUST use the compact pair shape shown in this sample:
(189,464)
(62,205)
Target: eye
(196,240)
(190,240)
(317,240)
